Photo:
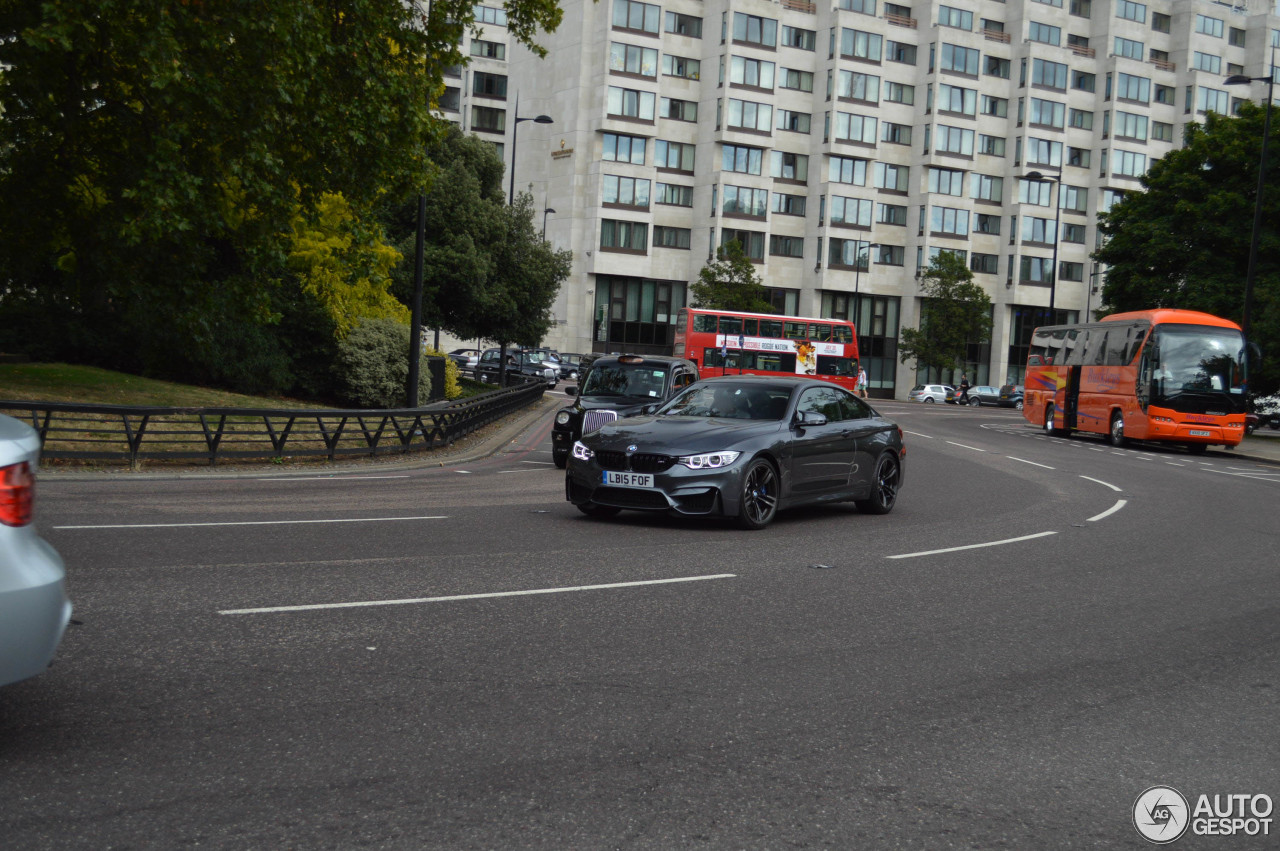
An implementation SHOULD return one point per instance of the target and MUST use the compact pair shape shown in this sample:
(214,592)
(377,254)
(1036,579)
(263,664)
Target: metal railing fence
(129,433)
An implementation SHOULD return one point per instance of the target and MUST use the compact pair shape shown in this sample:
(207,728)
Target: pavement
(1263,447)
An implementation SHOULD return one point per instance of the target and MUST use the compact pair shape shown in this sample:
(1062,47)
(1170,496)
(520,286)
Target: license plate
(628,480)
(1195,432)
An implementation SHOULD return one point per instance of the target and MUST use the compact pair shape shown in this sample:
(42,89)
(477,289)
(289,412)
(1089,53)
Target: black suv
(617,386)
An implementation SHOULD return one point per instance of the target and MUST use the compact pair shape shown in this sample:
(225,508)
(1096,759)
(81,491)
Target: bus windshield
(1192,362)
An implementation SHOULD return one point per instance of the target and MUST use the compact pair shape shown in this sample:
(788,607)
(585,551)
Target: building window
(624,149)
(954,140)
(992,146)
(994,66)
(799,80)
(1134,88)
(490,15)
(686,25)
(895,51)
(949,221)
(789,205)
(946,181)
(848,170)
(1075,198)
(899,92)
(999,107)
(1044,33)
(631,103)
(949,16)
(677,156)
(679,110)
(1079,157)
(1206,62)
(788,166)
(986,187)
(742,159)
(1083,81)
(488,49)
(748,115)
(786,246)
(1212,100)
(745,201)
(895,178)
(856,44)
(1047,113)
(1080,119)
(1166,95)
(853,212)
(751,72)
(984,264)
(1130,126)
(624,236)
(891,214)
(798,38)
(957,100)
(488,85)
(855,128)
(673,195)
(1128,163)
(1161,132)
(669,237)
(451,100)
(988,223)
(963,60)
(637,17)
(625,192)
(1160,22)
(1236,37)
(1129,49)
(1050,75)
(1073,233)
(795,122)
(896,134)
(1209,26)
(631,59)
(1131,11)
(488,119)
(679,66)
(752,242)
(858,86)
(751,29)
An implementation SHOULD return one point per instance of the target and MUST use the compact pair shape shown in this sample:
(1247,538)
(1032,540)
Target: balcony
(1081,50)
(800,6)
(996,35)
(901,21)
(1164,64)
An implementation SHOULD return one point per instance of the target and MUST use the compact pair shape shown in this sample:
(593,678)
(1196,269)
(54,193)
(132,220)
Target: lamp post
(1057,218)
(515,125)
(1236,79)
(544,222)
(857,275)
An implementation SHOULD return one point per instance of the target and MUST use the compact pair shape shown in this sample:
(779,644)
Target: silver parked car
(930,392)
(34,609)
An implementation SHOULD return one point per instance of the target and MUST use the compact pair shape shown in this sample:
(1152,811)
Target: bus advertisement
(1177,376)
(722,341)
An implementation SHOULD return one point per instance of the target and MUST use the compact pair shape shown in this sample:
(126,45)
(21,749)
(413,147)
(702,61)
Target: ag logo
(1161,814)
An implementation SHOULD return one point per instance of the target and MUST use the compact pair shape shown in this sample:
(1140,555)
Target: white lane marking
(1032,463)
(457,597)
(250,523)
(1175,463)
(544,463)
(1256,474)
(1101,482)
(1112,510)
(515,471)
(468,472)
(963,446)
(918,434)
(326,478)
(974,546)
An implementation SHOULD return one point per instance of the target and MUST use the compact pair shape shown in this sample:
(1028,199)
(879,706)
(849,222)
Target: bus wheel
(1116,436)
(1048,421)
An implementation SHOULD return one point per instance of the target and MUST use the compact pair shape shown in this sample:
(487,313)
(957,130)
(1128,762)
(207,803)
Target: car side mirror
(810,418)
(571,390)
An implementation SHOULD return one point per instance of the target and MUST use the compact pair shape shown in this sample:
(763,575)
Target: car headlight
(709,460)
(562,418)
(581,452)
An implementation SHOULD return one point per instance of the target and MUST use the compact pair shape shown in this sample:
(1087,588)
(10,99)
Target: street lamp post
(1057,219)
(857,275)
(1236,79)
(515,126)
(544,222)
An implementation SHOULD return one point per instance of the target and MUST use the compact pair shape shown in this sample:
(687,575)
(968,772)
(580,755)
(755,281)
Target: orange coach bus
(724,341)
(1159,375)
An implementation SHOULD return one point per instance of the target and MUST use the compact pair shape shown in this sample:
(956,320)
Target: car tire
(928,400)
(1018,405)
(884,487)
(758,502)
(975,402)
(1115,435)
(598,511)
(560,459)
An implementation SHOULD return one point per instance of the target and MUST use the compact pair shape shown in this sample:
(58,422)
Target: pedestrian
(861,387)
(964,389)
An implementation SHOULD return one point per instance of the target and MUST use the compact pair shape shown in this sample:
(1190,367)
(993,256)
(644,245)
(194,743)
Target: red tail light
(17,494)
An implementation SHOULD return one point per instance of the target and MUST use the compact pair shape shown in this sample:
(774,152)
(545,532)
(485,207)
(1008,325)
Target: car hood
(680,435)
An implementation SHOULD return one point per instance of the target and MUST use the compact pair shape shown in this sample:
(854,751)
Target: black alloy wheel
(884,489)
(759,501)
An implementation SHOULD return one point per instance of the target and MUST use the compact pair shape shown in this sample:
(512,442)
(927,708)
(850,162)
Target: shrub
(372,365)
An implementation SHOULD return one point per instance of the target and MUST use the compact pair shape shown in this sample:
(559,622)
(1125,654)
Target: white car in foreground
(34,609)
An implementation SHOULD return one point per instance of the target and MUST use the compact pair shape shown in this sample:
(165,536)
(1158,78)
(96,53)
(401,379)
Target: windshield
(624,379)
(752,401)
(1194,365)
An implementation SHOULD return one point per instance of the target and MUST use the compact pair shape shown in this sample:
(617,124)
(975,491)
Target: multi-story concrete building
(845,144)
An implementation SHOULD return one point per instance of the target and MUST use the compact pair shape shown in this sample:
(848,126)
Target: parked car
(1268,410)
(616,386)
(983,394)
(489,367)
(1010,396)
(549,358)
(930,393)
(466,359)
(744,447)
(571,365)
(34,609)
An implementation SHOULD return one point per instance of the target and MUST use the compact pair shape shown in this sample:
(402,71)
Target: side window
(853,407)
(683,379)
(822,400)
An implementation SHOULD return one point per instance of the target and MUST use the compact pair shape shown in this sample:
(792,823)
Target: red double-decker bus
(725,341)
(1160,375)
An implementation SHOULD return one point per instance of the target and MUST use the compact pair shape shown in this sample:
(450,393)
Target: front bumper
(678,491)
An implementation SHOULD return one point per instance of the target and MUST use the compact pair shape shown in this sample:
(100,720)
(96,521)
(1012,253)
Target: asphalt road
(1041,630)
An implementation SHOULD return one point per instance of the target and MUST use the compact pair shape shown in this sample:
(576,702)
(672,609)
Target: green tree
(525,276)
(1183,240)
(954,312)
(730,283)
(153,158)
